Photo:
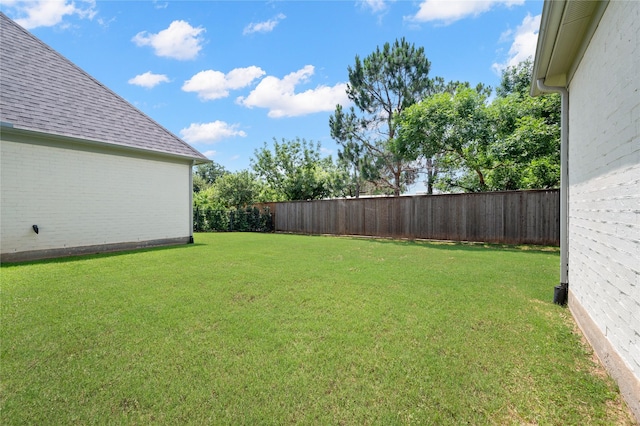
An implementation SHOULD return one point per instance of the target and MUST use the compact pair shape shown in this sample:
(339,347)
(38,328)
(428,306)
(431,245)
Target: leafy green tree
(199,184)
(526,151)
(516,79)
(295,170)
(202,198)
(381,85)
(233,190)
(432,165)
(204,175)
(358,169)
(511,143)
(237,190)
(454,127)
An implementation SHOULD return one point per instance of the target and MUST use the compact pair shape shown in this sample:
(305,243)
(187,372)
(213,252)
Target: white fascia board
(9,129)
(566,28)
(552,12)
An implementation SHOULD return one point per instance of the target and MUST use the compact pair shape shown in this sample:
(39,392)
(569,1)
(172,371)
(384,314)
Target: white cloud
(47,13)
(449,11)
(263,27)
(209,154)
(105,23)
(506,36)
(160,5)
(212,84)
(148,79)
(179,41)
(326,151)
(278,95)
(375,6)
(524,41)
(213,132)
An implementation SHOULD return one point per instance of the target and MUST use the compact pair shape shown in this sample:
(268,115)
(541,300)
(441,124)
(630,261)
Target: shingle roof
(42,91)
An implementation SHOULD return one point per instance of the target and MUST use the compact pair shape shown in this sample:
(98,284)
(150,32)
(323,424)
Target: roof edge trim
(9,129)
(552,12)
(555,30)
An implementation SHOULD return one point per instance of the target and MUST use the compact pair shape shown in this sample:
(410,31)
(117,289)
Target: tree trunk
(431,175)
(483,185)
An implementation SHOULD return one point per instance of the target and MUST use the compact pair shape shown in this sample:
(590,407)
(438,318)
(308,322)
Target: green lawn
(278,329)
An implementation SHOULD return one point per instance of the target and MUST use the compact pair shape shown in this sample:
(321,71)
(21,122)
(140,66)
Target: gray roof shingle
(42,91)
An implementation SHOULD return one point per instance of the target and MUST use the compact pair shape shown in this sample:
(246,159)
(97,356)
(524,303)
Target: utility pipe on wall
(564,186)
(193,164)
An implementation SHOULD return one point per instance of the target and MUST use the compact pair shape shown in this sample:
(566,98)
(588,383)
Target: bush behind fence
(250,219)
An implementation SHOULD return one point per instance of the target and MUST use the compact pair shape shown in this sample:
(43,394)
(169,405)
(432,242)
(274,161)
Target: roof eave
(549,26)
(566,27)
(9,128)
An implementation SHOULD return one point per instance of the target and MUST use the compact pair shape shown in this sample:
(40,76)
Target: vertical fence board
(512,217)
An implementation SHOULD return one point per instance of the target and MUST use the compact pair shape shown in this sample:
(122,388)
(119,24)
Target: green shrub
(249,219)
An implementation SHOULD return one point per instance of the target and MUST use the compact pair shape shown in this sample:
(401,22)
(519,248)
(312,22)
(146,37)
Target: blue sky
(227,76)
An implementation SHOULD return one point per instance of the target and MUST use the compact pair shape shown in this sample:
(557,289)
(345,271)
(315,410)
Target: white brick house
(92,172)
(591,50)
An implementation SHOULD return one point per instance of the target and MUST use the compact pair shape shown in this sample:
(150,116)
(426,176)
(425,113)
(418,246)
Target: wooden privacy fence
(510,217)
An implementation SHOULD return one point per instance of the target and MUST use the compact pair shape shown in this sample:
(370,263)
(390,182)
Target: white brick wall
(604,179)
(79,198)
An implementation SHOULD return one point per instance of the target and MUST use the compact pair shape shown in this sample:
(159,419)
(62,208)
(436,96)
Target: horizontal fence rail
(509,217)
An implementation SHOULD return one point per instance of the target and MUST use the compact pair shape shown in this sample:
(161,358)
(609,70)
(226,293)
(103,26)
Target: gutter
(561,292)
(193,164)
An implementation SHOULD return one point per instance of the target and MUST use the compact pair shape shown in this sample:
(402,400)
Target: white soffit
(575,22)
(565,31)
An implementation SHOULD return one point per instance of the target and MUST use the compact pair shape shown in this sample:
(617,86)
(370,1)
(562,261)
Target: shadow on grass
(466,245)
(441,244)
(70,259)
(430,244)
